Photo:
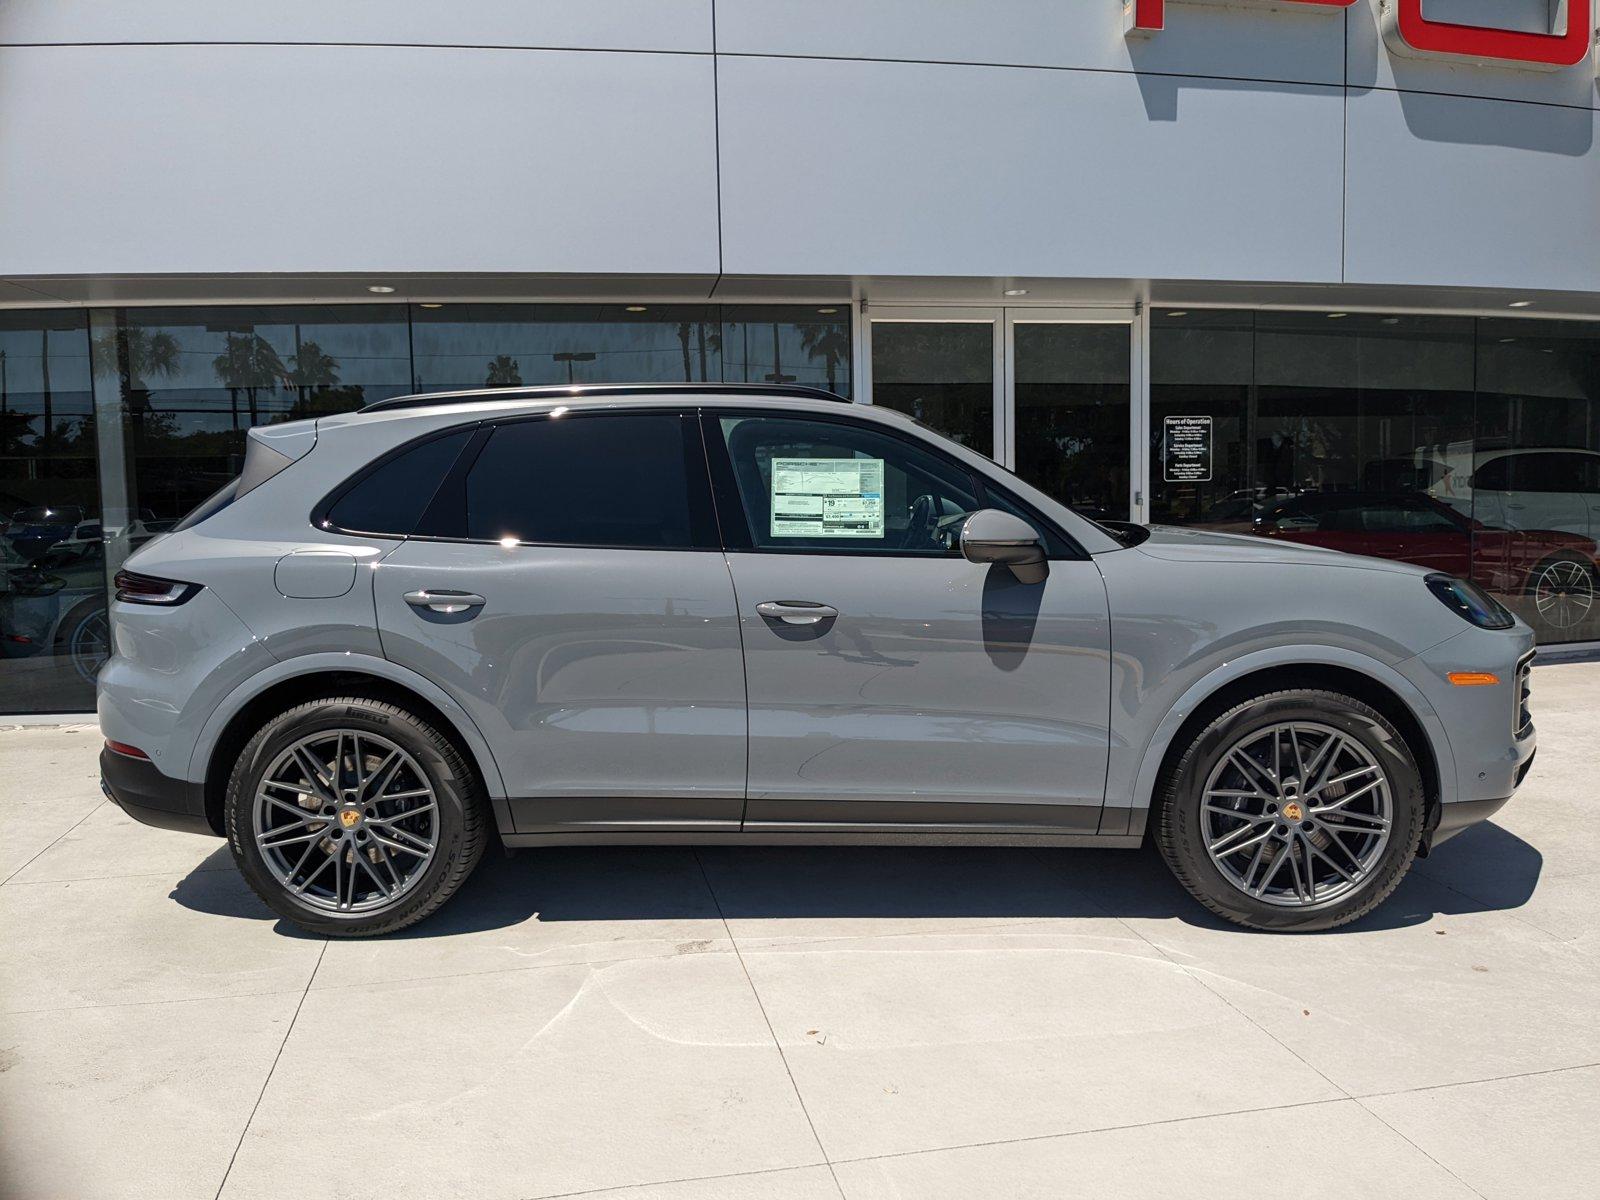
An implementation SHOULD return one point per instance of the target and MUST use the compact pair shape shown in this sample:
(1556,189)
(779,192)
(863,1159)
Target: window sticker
(827,497)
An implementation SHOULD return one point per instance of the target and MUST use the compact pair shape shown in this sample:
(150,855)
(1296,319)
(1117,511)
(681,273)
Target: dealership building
(1322,270)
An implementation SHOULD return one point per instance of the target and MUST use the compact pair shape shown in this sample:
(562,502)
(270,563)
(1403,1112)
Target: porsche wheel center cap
(350,817)
(1293,811)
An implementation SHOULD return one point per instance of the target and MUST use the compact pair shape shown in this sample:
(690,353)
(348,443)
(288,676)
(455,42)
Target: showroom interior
(1465,443)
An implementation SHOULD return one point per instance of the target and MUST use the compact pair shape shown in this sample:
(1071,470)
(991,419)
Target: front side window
(810,485)
(626,480)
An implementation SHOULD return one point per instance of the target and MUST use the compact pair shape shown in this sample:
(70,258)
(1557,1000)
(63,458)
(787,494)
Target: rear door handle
(797,612)
(444,601)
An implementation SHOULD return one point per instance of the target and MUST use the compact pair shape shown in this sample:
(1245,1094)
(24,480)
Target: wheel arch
(293,682)
(1368,680)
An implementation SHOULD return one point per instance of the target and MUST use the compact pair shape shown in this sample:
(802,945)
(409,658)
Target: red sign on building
(1408,31)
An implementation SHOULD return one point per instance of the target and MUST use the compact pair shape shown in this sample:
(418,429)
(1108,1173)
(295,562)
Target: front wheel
(1296,810)
(1563,592)
(351,816)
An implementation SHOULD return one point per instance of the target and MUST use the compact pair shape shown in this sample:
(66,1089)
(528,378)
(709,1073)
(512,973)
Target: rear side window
(391,498)
(623,480)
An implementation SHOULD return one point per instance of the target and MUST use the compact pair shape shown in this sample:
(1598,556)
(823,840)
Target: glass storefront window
(522,345)
(52,581)
(1464,445)
(190,382)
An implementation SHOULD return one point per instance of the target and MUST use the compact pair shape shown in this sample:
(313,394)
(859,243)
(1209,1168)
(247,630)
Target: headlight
(1470,602)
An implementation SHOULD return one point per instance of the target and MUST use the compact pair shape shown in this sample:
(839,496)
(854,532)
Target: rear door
(891,682)
(567,588)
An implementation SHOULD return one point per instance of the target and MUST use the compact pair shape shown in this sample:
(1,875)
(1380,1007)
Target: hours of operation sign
(1186,449)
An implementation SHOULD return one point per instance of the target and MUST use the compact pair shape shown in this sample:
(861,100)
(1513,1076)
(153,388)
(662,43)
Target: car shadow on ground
(1482,869)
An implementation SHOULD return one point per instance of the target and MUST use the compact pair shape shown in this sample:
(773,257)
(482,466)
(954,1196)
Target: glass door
(1046,392)
(1070,381)
(944,367)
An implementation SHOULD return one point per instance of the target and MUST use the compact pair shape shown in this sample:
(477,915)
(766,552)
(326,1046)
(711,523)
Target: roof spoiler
(585,391)
(268,449)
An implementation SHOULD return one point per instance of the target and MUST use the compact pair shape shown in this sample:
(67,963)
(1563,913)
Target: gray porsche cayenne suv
(742,615)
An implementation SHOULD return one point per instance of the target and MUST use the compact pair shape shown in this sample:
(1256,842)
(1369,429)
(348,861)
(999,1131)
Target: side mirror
(994,537)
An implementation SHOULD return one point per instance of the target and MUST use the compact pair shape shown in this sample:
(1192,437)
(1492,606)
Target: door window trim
(735,522)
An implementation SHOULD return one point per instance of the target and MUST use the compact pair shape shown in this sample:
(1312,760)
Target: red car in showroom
(1555,571)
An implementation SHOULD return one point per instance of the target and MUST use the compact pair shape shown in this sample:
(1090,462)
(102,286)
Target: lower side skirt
(791,836)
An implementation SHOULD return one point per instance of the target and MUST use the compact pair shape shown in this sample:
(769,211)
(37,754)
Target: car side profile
(761,615)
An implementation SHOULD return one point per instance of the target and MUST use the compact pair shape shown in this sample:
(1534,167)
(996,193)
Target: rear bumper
(145,794)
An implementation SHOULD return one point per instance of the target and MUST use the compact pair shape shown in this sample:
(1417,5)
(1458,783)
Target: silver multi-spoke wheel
(90,645)
(1296,814)
(346,821)
(1563,592)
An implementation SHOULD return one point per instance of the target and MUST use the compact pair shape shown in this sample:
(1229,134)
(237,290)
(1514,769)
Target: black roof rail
(584,390)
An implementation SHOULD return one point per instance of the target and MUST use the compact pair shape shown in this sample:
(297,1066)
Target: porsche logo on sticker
(350,818)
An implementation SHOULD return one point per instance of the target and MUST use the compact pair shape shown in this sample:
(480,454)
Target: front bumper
(145,794)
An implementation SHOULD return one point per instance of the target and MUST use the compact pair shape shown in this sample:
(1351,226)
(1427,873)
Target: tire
(85,640)
(1562,591)
(1220,839)
(398,829)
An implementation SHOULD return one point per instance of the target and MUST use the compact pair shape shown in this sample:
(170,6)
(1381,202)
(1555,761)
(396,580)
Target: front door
(892,683)
(1047,392)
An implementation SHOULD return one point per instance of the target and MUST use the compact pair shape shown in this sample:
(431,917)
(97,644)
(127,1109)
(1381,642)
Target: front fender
(1135,767)
(316,664)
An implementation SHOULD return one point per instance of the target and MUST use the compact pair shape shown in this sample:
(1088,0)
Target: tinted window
(821,485)
(391,498)
(630,480)
(1554,473)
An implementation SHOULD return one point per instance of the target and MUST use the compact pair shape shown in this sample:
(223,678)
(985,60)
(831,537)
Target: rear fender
(328,663)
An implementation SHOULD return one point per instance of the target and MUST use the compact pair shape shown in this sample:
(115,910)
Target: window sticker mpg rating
(827,497)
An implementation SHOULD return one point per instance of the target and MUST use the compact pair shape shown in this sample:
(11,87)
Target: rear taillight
(134,588)
(125,750)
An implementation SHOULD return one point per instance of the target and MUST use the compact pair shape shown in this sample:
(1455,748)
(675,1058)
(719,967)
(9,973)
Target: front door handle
(444,601)
(797,612)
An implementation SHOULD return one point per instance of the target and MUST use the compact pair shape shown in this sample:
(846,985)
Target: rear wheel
(352,816)
(1295,810)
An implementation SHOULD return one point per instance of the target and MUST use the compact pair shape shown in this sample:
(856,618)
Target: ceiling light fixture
(1016,291)
(381,289)
(637,308)
(1182,312)
(1337,316)
(1521,304)
(432,306)
(827,312)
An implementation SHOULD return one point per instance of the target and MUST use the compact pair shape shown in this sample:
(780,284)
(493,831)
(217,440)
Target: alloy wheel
(1296,814)
(346,821)
(90,645)
(1563,592)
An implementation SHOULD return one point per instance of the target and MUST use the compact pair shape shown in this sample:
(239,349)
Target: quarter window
(390,499)
(629,480)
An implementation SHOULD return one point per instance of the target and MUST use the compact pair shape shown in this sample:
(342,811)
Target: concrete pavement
(798,1023)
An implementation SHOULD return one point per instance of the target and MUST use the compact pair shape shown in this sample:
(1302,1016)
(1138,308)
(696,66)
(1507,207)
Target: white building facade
(1326,270)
